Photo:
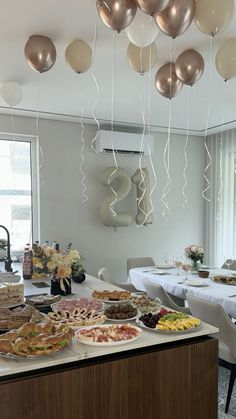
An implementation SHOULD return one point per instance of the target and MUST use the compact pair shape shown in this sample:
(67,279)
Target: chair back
(157,291)
(104,275)
(215,315)
(231,267)
(139,262)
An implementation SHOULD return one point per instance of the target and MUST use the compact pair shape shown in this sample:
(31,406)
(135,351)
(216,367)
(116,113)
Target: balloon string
(112,129)
(142,183)
(186,156)
(166,161)
(14,149)
(41,160)
(83,175)
(98,93)
(208,155)
(149,130)
(211,57)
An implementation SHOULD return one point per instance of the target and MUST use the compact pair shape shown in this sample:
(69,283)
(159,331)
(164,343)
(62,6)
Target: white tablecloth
(215,292)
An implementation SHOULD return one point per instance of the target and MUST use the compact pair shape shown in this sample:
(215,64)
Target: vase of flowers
(196,254)
(59,265)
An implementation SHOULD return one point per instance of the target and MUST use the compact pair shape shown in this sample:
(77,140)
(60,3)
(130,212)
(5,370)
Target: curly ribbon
(14,148)
(98,94)
(83,175)
(41,160)
(112,129)
(186,156)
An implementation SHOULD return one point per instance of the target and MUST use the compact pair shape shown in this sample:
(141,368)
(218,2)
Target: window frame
(35,176)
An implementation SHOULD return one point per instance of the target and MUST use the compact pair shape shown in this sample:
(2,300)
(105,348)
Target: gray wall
(66,219)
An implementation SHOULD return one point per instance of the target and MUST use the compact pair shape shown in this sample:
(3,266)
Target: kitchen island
(164,376)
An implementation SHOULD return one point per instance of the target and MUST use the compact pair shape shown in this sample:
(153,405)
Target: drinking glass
(158,303)
(229,261)
(186,267)
(178,261)
(166,257)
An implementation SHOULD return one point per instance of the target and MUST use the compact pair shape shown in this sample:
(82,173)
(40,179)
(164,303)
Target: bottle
(45,243)
(55,245)
(27,262)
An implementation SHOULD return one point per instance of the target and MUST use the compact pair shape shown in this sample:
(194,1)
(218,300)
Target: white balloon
(143,30)
(11,93)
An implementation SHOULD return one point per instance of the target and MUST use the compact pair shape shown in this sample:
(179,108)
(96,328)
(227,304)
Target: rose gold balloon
(167,82)
(189,67)
(176,19)
(116,14)
(153,6)
(40,52)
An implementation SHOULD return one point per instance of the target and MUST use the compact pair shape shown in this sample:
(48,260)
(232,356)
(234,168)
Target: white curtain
(220,211)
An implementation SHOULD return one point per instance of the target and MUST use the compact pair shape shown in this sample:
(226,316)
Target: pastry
(10,294)
(111,295)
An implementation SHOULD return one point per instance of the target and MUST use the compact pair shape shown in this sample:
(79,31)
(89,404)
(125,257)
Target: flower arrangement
(3,243)
(195,253)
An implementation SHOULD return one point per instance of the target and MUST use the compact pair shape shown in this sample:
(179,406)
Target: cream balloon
(79,56)
(213,16)
(116,14)
(144,213)
(142,31)
(108,217)
(176,19)
(154,6)
(226,59)
(142,59)
(189,67)
(11,93)
(167,82)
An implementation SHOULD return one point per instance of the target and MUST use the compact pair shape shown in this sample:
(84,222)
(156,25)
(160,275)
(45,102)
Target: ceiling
(62,93)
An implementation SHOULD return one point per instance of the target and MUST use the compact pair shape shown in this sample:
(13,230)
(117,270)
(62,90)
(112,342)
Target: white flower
(200,250)
(194,249)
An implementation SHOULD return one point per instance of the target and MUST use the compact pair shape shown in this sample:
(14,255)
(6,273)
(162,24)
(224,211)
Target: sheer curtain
(220,211)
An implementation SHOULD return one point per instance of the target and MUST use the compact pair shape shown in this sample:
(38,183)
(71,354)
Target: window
(19,196)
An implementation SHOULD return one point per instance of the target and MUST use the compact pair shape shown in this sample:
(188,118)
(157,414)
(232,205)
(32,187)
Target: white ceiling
(62,92)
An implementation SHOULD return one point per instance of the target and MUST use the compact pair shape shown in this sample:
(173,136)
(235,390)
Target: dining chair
(154,290)
(139,262)
(105,275)
(232,267)
(215,315)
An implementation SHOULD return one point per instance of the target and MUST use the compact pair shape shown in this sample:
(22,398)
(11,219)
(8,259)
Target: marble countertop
(78,351)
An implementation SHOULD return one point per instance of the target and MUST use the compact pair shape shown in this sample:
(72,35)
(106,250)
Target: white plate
(125,320)
(164,266)
(160,273)
(13,305)
(195,283)
(121,342)
(192,329)
(113,302)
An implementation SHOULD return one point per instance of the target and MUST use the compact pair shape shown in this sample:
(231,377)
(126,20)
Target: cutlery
(234,295)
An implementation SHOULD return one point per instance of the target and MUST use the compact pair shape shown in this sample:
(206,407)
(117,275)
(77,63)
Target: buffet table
(168,376)
(225,295)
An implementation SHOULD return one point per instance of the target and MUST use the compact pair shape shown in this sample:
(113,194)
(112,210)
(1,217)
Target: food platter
(114,343)
(13,305)
(225,280)
(125,320)
(112,297)
(71,304)
(113,302)
(77,318)
(168,332)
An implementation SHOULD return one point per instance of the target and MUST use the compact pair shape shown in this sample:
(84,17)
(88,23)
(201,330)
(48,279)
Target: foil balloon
(226,59)
(142,59)
(153,6)
(116,14)
(11,93)
(167,82)
(177,18)
(142,31)
(79,56)
(40,52)
(189,67)
(213,16)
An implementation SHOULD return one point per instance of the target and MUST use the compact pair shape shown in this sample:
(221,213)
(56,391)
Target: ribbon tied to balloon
(142,59)
(144,210)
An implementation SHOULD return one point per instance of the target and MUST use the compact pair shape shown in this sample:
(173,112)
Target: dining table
(176,284)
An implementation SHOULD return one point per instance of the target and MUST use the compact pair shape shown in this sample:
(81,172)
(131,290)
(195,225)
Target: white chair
(105,275)
(215,315)
(139,263)
(157,291)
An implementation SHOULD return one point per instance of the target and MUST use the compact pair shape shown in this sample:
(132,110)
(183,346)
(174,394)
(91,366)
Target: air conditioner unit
(124,143)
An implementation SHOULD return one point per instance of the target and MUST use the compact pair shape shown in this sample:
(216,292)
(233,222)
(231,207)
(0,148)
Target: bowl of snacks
(203,274)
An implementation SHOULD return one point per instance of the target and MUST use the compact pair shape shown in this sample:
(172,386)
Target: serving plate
(58,306)
(120,342)
(125,320)
(29,357)
(195,283)
(168,332)
(112,302)
(164,266)
(13,305)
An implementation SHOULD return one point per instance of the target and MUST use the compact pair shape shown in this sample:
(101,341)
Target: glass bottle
(27,268)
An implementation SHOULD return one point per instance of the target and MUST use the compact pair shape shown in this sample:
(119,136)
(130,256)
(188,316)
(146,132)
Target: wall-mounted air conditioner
(124,143)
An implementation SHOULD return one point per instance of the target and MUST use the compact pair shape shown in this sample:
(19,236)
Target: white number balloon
(109,217)
(141,180)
